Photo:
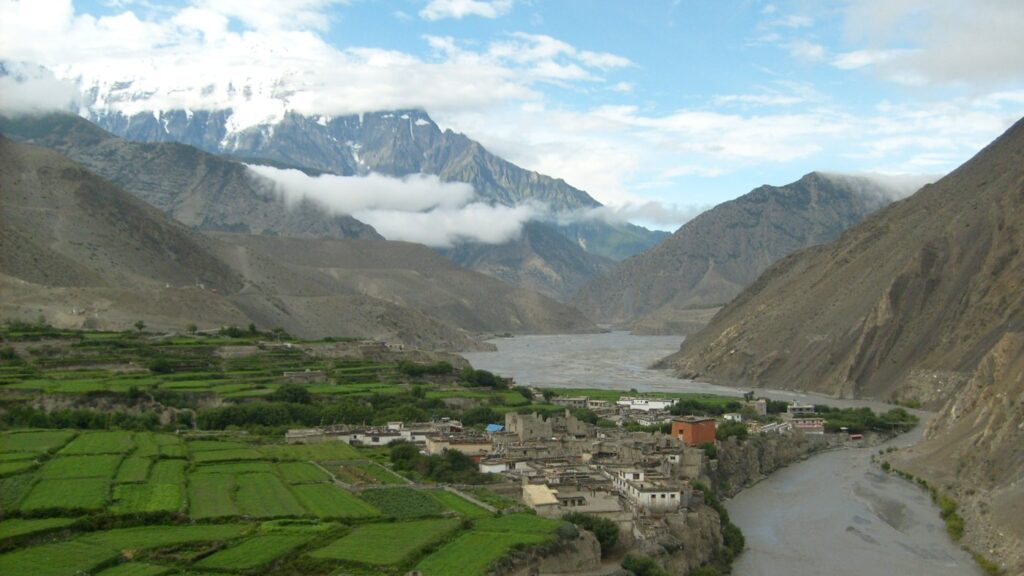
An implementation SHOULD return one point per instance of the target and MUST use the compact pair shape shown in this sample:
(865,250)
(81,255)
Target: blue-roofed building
(493,428)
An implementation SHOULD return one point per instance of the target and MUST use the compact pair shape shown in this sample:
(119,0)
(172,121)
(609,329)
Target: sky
(658,108)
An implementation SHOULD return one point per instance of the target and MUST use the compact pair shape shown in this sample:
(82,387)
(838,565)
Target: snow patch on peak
(422,122)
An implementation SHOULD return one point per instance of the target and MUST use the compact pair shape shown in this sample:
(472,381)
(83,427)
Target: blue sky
(662,106)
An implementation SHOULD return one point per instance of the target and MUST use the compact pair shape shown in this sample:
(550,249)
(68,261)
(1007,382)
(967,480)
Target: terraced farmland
(256,551)
(328,501)
(404,540)
(266,496)
(403,502)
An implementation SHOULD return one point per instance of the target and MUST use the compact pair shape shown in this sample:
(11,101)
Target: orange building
(694,430)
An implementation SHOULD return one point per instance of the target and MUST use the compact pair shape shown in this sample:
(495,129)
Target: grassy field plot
(16,467)
(490,497)
(114,442)
(403,540)
(35,441)
(13,489)
(403,502)
(168,472)
(459,504)
(368,473)
(196,446)
(133,469)
(143,537)
(17,456)
(135,569)
(227,455)
(100,466)
(20,527)
(265,496)
(149,444)
(329,501)
(301,473)
(318,452)
(173,451)
(71,494)
(473,552)
(518,523)
(235,468)
(256,551)
(60,559)
(212,496)
(136,498)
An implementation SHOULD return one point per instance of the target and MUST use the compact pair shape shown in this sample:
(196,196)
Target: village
(559,463)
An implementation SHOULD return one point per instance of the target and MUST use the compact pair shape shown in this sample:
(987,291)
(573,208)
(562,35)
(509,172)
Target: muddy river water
(834,514)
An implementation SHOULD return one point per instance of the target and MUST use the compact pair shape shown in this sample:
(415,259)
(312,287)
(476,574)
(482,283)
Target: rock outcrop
(741,464)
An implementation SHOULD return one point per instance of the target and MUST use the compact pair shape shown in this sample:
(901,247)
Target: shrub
(606,531)
(642,565)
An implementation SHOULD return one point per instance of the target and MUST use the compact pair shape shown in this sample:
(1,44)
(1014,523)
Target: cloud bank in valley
(415,208)
(32,89)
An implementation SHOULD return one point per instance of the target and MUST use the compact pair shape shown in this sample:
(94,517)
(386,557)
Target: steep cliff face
(974,449)
(568,556)
(681,542)
(717,254)
(741,464)
(930,283)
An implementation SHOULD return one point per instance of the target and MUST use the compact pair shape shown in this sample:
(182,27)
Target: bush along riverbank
(948,511)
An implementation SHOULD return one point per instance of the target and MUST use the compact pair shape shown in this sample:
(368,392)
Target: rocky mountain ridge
(713,257)
(84,253)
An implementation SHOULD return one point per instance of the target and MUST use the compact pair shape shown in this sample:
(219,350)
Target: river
(833,514)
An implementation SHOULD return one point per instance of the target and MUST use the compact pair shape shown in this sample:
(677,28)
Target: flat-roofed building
(695,430)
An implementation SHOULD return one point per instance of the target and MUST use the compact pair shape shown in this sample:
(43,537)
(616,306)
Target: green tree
(140,325)
(641,565)
(606,531)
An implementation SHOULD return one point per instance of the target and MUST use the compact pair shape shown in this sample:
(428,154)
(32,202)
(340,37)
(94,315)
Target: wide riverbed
(832,514)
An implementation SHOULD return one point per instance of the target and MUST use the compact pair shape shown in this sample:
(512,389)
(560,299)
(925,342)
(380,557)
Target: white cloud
(888,187)
(29,89)
(416,208)
(445,227)
(806,50)
(458,9)
(273,14)
(968,42)
(864,58)
(351,194)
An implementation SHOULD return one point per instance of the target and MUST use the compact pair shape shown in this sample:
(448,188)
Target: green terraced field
(520,523)
(212,496)
(143,537)
(133,469)
(329,501)
(403,502)
(20,527)
(266,496)
(328,451)
(255,552)
(135,569)
(227,455)
(235,468)
(73,494)
(135,498)
(459,504)
(196,446)
(101,466)
(35,441)
(473,552)
(60,559)
(385,544)
(302,473)
(168,472)
(368,473)
(13,489)
(16,467)
(116,442)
